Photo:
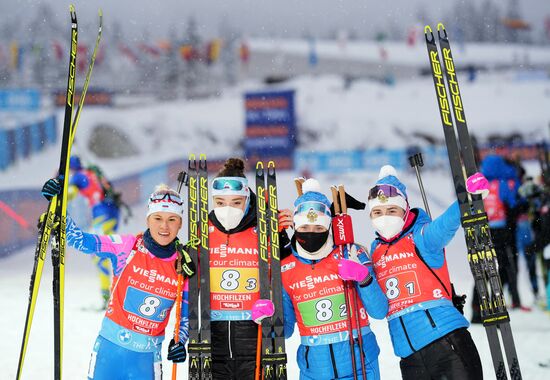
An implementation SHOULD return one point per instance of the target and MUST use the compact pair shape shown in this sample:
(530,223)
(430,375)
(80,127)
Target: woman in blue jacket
(427,331)
(313,295)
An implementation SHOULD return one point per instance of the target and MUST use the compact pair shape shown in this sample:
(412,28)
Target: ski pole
(336,202)
(352,291)
(416,161)
(182,179)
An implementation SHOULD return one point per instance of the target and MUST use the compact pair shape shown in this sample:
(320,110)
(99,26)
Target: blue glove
(176,352)
(51,188)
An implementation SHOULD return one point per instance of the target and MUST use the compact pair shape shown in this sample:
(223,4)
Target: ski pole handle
(416,161)
(183,179)
(343,204)
(299,182)
(335,199)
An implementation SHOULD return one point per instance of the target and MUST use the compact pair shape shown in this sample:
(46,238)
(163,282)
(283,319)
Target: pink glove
(262,309)
(352,270)
(478,184)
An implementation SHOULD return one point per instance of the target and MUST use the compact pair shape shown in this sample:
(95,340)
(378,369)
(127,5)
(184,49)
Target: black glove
(458,300)
(176,352)
(44,218)
(351,203)
(187,267)
(51,188)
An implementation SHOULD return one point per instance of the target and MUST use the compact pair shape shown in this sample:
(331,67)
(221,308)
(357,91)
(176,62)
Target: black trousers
(452,357)
(233,369)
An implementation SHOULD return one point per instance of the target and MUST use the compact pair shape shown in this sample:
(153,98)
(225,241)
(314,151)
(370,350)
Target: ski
(481,253)
(182,180)
(264,368)
(204,263)
(272,356)
(199,348)
(193,231)
(87,78)
(46,227)
(278,358)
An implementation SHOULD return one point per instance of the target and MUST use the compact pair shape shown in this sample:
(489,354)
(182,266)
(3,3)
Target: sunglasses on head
(170,197)
(228,184)
(306,207)
(386,191)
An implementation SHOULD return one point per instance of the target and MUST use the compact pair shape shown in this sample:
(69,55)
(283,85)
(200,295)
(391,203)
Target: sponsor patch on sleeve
(288,266)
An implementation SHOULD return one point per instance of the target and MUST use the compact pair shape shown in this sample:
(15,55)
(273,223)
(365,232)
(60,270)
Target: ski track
(81,326)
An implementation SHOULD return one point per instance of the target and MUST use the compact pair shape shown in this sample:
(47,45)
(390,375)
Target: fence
(24,140)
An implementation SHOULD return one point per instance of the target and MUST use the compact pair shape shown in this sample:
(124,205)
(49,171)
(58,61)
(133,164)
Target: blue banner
(270,125)
(19,99)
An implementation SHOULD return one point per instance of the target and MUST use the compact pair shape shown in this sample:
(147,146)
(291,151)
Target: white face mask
(228,216)
(388,226)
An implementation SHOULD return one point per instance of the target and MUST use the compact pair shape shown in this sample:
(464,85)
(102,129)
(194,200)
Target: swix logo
(341,229)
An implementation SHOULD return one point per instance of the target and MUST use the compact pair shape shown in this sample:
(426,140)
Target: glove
(478,184)
(262,309)
(51,188)
(44,218)
(354,271)
(184,264)
(285,219)
(176,352)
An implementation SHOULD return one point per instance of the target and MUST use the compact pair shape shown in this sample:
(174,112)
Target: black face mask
(311,241)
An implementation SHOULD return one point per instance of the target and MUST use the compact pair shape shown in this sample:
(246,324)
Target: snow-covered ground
(531,329)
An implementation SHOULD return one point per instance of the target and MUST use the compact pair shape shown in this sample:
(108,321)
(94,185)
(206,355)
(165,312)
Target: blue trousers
(113,362)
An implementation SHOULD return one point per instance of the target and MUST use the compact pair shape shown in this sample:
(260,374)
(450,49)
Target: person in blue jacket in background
(502,205)
(428,332)
(314,298)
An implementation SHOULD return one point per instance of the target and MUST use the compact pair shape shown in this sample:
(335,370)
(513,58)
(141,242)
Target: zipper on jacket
(430,318)
(307,354)
(229,339)
(406,334)
(333,359)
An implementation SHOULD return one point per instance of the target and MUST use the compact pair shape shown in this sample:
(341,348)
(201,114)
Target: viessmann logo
(310,281)
(392,257)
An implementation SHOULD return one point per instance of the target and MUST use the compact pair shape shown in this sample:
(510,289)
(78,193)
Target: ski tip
(441,31)
(259,165)
(271,164)
(202,156)
(429,35)
(100,13)
(71,8)
(192,157)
